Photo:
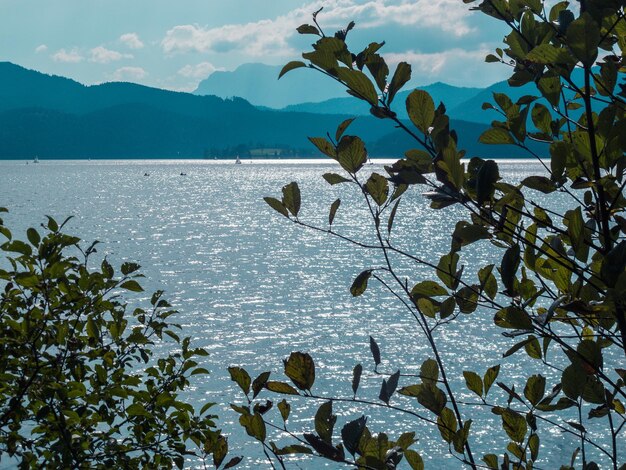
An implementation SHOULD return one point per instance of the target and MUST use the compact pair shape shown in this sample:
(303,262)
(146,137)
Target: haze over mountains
(55,117)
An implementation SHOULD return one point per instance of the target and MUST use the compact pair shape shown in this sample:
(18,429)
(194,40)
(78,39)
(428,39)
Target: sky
(174,44)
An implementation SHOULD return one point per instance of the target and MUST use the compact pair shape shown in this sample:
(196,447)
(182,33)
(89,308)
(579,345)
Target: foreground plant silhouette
(80,386)
(559,288)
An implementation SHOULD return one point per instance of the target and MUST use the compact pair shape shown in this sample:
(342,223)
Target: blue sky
(175,44)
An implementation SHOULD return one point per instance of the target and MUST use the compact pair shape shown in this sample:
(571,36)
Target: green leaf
(513,318)
(342,128)
(284,409)
(351,153)
(375,352)
(277,205)
(400,77)
(535,388)
(333,211)
(33,236)
(334,178)
(473,382)
(427,289)
(259,383)
(583,37)
(514,425)
(490,377)
(132,285)
(280,387)
(421,109)
(360,283)
(300,368)
(392,216)
(509,266)
(447,424)
(429,371)
(414,459)
(241,377)
(377,187)
(358,82)
(324,146)
(291,198)
(496,136)
(356,377)
(351,434)
(308,29)
(325,421)
(540,183)
(547,54)
(294,64)
(254,426)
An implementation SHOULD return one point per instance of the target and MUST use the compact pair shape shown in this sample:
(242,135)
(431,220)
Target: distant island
(55,117)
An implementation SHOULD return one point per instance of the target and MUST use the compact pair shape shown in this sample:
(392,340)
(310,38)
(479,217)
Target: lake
(252,287)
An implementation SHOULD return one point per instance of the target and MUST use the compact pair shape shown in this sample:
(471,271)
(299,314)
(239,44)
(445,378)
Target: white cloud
(455,66)
(41,48)
(201,70)
(102,55)
(72,56)
(131,40)
(270,37)
(129,73)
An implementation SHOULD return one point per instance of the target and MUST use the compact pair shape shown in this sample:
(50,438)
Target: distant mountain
(451,96)
(259,84)
(54,117)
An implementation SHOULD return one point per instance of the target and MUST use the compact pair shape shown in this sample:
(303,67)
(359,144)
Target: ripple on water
(251,288)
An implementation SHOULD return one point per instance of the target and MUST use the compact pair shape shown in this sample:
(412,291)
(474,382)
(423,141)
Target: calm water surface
(251,287)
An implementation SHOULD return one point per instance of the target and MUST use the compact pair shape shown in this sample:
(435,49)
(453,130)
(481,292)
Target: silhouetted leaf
(294,64)
(300,368)
(359,285)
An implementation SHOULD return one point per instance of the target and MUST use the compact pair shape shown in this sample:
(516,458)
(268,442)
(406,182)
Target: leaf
(392,216)
(535,388)
(388,387)
(490,377)
(254,426)
(377,187)
(285,409)
(33,236)
(233,462)
(583,37)
(277,205)
(427,289)
(359,285)
(325,421)
(324,146)
(358,82)
(334,178)
(324,449)
(308,29)
(421,109)
(351,153)
(342,128)
(291,198)
(473,382)
(488,174)
(400,77)
(241,377)
(447,424)
(509,265)
(300,368)
(496,136)
(513,318)
(280,387)
(547,54)
(540,183)
(375,352)
(414,459)
(351,434)
(259,383)
(514,425)
(333,211)
(294,64)
(132,286)
(356,377)
(429,371)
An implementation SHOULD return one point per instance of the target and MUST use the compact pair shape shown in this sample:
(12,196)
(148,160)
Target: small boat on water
(36,160)
(237,160)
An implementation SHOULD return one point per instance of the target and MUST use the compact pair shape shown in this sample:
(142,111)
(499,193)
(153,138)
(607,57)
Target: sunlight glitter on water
(251,287)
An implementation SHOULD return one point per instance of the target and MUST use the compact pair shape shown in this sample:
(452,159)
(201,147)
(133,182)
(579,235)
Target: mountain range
(55,117)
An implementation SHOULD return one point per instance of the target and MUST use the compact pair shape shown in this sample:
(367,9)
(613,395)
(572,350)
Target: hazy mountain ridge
(54,117)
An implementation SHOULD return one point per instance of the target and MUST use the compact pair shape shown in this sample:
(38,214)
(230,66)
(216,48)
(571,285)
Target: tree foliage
(558,291)
(80,386)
